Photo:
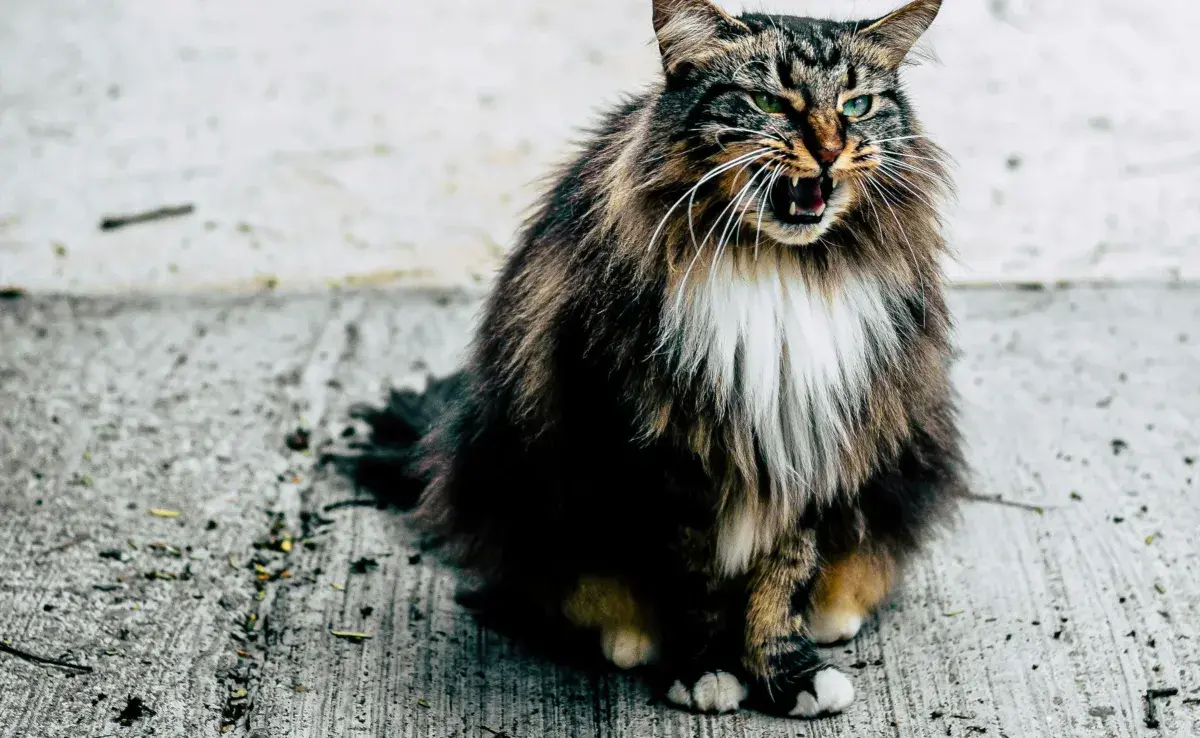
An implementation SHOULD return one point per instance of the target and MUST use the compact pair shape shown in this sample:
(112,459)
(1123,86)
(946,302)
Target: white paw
(833,627)
(628,648)
(714,692)
(832,693)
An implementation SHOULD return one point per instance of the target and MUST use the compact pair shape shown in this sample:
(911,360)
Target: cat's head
(789,125)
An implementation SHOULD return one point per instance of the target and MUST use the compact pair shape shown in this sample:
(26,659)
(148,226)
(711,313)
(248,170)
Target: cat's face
(797,121)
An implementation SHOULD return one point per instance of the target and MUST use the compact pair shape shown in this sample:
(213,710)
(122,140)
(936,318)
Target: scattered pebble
(298,439)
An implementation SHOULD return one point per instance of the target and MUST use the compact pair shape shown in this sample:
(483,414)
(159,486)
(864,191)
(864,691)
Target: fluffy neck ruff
(787,364)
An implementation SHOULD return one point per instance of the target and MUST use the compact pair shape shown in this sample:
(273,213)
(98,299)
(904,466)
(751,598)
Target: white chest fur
(790,363)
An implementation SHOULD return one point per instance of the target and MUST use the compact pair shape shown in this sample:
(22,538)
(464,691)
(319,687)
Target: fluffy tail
(387,464)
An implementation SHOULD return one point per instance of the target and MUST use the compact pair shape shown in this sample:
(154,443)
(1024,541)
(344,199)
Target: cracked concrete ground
(1080,402)
(158,533)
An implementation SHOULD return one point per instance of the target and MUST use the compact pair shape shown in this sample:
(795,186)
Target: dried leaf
(351,635)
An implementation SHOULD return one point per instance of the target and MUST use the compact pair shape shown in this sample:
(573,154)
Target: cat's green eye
(768,103)
(857,107)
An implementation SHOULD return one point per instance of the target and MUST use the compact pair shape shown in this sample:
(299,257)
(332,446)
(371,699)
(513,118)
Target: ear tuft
(689,29)
(897,32)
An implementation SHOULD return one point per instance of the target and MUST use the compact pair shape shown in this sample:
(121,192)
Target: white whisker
(699,248)
(731,206)
(899,138)
(912,156)
(917,168)
(894,177)
(715,172)
(912,252)
(734,217)
(763,204)
(692,200)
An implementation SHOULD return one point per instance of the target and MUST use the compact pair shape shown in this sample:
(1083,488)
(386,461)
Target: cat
(707,413)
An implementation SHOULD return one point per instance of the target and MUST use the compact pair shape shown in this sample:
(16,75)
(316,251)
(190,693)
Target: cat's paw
(834,626)
(828,693)
(628,648)
(716,691)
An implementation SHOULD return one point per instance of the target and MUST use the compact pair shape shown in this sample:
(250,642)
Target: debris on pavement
(135,709)
(1151,710)
(298,439)
(113,222)
(41,660)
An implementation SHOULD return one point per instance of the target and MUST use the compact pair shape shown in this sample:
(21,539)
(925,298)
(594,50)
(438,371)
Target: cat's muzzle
(801,201)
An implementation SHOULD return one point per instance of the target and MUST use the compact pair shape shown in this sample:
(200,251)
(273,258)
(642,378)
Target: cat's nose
(825,140)
(829,152)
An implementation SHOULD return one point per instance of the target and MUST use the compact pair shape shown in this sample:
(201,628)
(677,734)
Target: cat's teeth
(795,182)
(792,209)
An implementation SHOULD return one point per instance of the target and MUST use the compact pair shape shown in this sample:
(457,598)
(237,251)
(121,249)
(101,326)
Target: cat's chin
(794,235)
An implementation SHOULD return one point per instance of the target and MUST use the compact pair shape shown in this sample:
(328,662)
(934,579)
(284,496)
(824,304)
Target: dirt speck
(364,565)
(135,709)
(298,439)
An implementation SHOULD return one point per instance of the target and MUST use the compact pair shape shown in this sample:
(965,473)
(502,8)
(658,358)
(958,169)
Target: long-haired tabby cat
(707,414)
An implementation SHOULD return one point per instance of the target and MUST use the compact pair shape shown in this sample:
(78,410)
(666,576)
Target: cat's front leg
(703,643)
(704,670)
(787,675)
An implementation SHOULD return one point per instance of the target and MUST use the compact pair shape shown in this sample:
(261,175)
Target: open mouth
(799,201)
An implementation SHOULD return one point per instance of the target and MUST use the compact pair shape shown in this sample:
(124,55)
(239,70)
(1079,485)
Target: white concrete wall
(397,139)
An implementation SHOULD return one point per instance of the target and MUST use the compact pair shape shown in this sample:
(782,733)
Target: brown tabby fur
(579,463)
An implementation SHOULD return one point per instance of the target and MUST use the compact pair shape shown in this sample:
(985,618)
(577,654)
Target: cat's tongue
(807,196)
(800,200)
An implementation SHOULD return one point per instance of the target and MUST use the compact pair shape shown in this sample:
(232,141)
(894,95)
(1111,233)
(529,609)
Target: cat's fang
(799,200)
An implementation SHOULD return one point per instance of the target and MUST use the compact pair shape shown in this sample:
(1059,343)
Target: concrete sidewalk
(155,528)
(397,141)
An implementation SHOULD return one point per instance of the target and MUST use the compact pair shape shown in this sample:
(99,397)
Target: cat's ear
(897,32)
(689,30)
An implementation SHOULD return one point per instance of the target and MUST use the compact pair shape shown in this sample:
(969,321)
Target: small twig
(35,659)
(64,546)
(360,502)
(113,222)
(998,500)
